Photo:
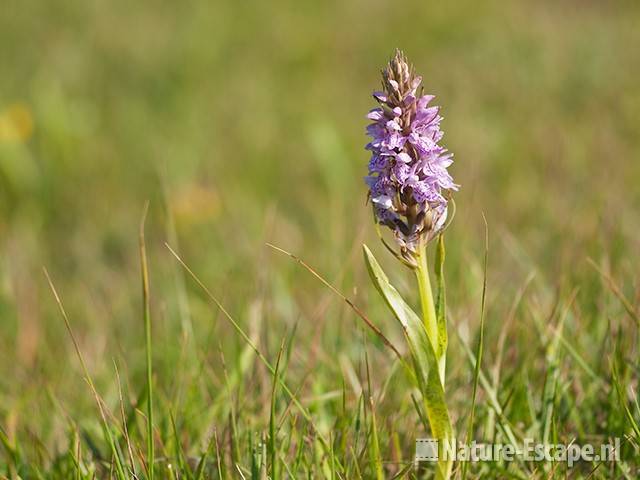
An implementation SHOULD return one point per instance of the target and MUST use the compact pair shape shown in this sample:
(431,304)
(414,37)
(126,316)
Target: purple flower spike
(408,174)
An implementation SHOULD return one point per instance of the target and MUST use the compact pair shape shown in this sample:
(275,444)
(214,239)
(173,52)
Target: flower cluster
(408,168)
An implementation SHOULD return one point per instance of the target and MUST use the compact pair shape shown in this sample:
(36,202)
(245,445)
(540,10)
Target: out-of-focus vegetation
(243,123)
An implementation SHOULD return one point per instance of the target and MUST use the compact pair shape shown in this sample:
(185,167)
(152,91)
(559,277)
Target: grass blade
(271,445)
(305,413)
(478,365)
(352,305)
(105,424)
(147,336)
(441,306)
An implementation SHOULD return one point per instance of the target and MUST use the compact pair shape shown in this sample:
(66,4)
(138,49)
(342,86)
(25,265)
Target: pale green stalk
(427,303)
(437,338)
(429,316)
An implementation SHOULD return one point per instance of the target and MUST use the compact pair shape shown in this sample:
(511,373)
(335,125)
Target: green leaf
(423,357)
(441,311)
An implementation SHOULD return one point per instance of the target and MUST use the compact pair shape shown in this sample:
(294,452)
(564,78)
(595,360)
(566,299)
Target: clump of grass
(270,414)
(218,396)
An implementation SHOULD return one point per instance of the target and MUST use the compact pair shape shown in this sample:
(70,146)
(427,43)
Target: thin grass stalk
(147,335)
(272,444)
(480,348)
(120,473)
(305,413)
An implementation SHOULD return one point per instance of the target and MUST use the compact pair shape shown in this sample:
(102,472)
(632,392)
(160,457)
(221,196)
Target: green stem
(426,297)
(430,320)
(429,316)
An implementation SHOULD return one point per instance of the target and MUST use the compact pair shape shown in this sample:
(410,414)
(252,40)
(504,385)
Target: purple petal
(375,114)
(404,157)
(393,126)
(380,96)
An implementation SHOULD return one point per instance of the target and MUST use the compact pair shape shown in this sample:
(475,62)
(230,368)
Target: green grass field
(242,124)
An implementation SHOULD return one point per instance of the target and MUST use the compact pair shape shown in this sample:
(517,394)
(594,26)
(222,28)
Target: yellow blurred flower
(16,124)
(195,203)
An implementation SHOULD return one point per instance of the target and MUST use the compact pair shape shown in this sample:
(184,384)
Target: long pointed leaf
(422,354)
(441,309)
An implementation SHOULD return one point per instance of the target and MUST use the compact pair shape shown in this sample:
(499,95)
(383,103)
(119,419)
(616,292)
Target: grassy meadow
(241,124)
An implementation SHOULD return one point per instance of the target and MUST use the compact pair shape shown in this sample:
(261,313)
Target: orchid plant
(409,189)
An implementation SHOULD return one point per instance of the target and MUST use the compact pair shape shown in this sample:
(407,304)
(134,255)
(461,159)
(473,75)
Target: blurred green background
(242,123)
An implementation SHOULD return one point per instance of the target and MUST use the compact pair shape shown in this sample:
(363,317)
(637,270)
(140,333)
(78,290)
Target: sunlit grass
(242,125)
